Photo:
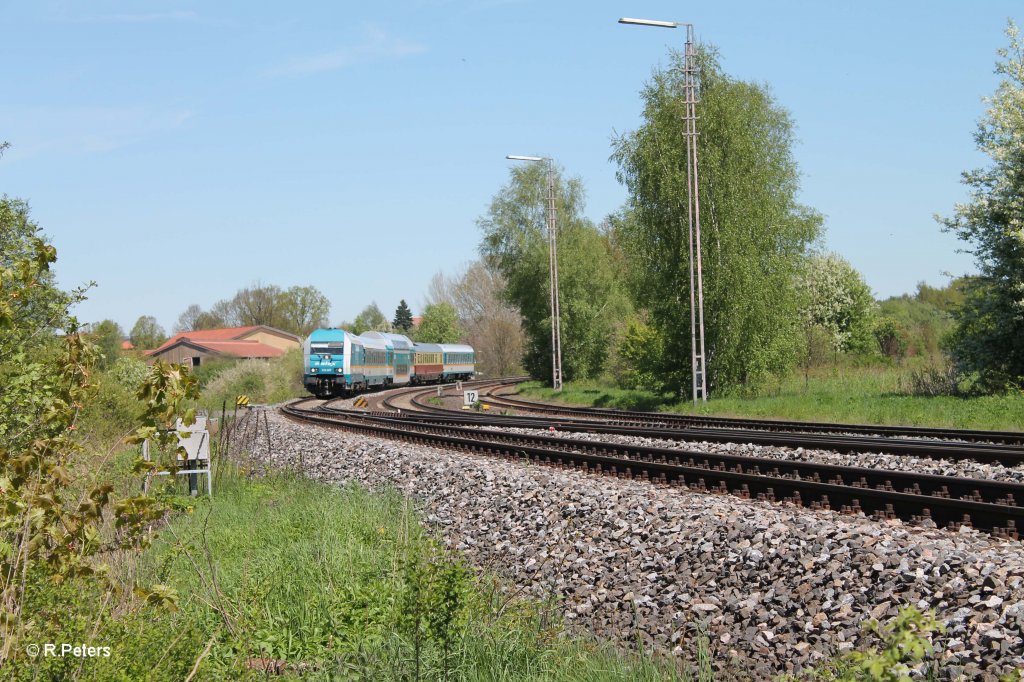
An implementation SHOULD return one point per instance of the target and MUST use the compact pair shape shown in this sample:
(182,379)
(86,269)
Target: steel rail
(1012,438)
(929,449)
(990,505)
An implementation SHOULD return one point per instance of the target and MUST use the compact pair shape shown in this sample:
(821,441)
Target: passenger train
(337,362)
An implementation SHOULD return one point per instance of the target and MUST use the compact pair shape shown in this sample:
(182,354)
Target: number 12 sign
(470,397)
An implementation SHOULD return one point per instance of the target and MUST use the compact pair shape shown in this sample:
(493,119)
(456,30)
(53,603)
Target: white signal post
(697,356)
(556,315)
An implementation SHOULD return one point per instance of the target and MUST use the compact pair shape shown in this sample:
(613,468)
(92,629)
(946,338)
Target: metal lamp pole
(556,313)
(697,356)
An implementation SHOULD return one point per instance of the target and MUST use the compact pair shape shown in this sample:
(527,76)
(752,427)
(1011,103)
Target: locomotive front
(326,352)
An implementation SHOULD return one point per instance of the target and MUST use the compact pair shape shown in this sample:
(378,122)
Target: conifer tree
(403,317)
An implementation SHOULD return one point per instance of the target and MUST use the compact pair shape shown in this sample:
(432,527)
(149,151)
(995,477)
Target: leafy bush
(932,380)
(892,339)
(114,411)
(262,381)
(211,369)
(906,647)
(924,324)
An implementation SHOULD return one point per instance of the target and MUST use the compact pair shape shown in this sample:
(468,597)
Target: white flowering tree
(834,297)
(989,339)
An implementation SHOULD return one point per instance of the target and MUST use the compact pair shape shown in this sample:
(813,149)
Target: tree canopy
(989,337)
(298,309)
(754,232)
(835,297)
(489,323)
(403,318)
(515,245)
(370,319)
(147,333)
(440,324)
(108,337)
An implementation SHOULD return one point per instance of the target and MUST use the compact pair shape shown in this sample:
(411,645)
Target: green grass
(869,395)
(333,581)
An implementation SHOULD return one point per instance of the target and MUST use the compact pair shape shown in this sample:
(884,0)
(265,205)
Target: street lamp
(556,315)
(697,357)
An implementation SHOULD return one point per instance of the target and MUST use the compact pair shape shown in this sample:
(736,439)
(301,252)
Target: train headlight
(312,370)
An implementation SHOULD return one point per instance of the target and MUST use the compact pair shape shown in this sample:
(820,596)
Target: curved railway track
(657,425)
(946,500)
(500,398)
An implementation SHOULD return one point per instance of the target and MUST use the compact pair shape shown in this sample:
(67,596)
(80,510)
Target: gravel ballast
(777,588)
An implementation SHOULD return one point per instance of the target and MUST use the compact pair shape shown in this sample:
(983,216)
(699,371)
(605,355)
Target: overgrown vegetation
(322,583)
(263,382)
(905,652)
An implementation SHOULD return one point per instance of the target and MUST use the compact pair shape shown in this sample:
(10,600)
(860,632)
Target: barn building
(252,342)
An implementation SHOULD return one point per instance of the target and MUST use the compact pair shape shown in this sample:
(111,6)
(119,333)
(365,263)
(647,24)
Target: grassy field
(868,395)
(313,582)
(345,583)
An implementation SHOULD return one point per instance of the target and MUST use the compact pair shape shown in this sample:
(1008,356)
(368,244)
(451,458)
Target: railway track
(945,500)
(499,398)
(621,423)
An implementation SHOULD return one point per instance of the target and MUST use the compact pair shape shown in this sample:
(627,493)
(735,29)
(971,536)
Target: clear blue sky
(177,151)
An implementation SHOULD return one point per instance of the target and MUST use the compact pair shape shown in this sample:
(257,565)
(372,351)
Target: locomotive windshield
(326,349)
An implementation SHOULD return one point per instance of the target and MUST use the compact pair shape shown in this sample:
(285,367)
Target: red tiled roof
(233,348)
(226,334)
(127,345)
(241,349)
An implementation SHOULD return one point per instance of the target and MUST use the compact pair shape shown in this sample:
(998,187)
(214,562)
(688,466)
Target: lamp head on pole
(651,22)
(517,157)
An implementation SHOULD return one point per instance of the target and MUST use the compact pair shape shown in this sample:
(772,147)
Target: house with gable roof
(253,342)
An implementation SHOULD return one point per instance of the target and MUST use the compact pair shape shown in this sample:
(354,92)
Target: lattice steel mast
(698,357)
(556,310)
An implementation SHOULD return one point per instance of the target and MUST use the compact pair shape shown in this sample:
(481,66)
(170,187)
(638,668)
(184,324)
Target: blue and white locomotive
(337,362)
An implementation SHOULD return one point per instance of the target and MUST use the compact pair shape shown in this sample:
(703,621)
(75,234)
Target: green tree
(370,319)
(403,318)
(195,318)
(258,304)
(54,523)
(946,299)
(108,337)
(489,323)
(440,324)
(892,339)
(147,333)
(304,309)
(754,232)
(189,319)
(925,325)
(640,350)
(835,297)
(45,306)
(591,299)
(989,336)
(33,314)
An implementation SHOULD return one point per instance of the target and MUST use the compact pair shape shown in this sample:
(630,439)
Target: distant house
(196,347)
(127,345)
(416,319)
